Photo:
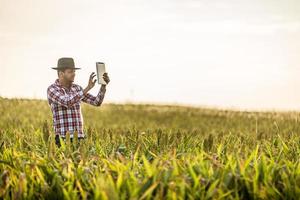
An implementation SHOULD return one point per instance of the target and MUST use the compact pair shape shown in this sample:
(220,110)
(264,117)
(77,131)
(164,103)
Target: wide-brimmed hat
(65,63)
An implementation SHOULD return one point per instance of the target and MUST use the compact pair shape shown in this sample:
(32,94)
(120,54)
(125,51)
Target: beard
(70,79)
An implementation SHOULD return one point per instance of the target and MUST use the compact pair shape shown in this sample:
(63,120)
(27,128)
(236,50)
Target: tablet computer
(100,67)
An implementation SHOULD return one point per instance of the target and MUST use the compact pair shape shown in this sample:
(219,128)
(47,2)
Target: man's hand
(91,83)
(106,78)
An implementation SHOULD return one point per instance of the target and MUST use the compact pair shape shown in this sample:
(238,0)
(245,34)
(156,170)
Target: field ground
(150,152)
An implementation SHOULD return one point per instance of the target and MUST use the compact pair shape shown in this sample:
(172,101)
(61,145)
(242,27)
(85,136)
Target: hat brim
(65,68)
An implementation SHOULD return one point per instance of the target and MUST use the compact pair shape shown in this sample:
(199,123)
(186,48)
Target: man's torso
(66,119)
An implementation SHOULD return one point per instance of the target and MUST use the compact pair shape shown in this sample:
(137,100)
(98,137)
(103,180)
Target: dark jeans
(57,141)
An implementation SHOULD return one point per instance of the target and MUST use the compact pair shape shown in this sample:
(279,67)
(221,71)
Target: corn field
(149,152)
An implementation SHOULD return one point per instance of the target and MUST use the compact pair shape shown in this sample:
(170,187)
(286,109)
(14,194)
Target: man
(64,98)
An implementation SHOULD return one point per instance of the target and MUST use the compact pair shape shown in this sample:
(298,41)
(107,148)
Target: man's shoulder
(52,86)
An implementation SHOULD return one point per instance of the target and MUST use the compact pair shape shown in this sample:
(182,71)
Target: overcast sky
(224,53)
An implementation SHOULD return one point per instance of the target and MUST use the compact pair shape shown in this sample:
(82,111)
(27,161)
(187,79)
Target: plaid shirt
(65,107)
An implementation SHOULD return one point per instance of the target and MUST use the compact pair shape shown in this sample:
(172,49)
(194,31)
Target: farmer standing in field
(64,98)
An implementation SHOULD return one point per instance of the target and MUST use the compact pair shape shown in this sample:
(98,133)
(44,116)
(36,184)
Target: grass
(149,152)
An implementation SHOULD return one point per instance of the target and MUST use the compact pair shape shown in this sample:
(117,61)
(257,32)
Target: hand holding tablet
(102,76)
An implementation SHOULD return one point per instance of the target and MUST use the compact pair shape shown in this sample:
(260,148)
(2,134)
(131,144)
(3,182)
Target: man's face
(68,75)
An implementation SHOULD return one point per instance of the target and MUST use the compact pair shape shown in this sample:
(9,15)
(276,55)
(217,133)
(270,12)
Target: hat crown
(66,62)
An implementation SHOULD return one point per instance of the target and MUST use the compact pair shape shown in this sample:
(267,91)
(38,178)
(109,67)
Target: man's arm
(95,100)
(66,100)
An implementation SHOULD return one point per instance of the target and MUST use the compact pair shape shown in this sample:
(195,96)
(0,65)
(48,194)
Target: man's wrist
(103,88)
(85,91)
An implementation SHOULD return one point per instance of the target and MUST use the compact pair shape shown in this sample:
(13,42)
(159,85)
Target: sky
(234,54)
